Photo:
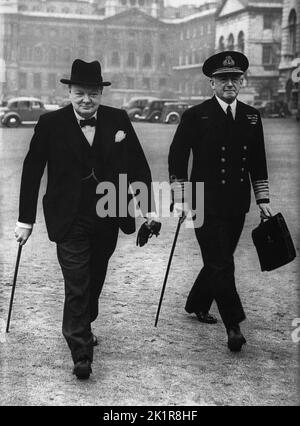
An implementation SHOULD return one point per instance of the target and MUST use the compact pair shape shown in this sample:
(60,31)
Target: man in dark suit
(227,142)
(83,144)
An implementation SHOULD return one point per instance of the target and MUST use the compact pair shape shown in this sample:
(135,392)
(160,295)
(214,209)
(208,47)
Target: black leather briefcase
(273,243)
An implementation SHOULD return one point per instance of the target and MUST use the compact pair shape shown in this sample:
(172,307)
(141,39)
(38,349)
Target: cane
(13,287)
(180,221)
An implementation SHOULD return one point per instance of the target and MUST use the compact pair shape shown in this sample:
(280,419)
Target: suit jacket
(225,161)
(57,143)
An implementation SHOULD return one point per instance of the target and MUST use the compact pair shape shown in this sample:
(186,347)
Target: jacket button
(245,147)
(223,182)
(223,170)
(242,169)
(244,158)
(223,160)
(242,180)
(223,148)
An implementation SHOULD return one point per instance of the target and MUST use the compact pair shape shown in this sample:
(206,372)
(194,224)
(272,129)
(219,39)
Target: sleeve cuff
(263,200)
(24,225)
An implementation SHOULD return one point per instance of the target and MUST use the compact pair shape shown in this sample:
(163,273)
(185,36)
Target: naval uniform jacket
(226,160)
(57,143)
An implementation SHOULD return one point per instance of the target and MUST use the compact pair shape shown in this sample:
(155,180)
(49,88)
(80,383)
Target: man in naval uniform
(82,144)
(227,142)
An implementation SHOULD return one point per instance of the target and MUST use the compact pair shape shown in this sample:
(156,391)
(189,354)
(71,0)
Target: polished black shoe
(82,369)
(235,339)
(95,340)
(206,317)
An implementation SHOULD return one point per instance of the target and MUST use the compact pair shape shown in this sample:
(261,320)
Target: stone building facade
(142,51)
(195,43)
(290,53)
(254,28)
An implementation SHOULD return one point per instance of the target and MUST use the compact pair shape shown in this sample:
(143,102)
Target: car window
(13,105)
(36,105)
(24,105)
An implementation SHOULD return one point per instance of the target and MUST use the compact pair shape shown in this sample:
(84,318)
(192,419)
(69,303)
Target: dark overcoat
(57,143)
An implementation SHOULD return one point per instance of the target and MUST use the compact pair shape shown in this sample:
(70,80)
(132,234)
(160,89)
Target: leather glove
(146,231)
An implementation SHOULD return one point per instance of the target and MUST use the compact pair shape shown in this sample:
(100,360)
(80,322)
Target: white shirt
(224,106)
(88,131)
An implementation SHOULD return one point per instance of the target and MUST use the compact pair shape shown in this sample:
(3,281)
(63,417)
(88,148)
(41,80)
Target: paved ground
(182,362)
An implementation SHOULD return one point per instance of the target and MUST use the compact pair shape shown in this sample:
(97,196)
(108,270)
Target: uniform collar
(224,106)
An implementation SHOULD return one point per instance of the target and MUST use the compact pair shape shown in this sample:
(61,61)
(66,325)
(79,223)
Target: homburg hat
(86,74)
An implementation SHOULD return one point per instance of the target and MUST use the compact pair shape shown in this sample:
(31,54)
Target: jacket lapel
(104,136)
(74,136)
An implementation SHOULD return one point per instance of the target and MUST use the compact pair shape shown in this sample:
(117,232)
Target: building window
(162,83)
(51,9)
(82,37)
(37,80)
(241,42)
(115,59)
(230,42)
(188,33)
(147,62)
(292,26)
(65,10)
(51,81)
(221,44)
(208,28)
(38,54)
(268,56)
(131,59)
(268,21)
(22,80)
(162,60)
(132,2)
(130,83)
(52,55)
(163,38)
(124,2)
(67,54)
(146,83)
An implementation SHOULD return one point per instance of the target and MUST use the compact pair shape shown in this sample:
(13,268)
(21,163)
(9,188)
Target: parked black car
(135,106)
(153,110)
(20,110)
(172,112)
(272,109)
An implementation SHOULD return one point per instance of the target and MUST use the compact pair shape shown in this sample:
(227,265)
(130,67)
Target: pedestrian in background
(227,142)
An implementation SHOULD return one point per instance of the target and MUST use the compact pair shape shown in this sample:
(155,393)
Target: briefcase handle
(262,220)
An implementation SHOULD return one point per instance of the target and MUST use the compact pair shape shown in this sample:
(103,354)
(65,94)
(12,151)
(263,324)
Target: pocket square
(120,135)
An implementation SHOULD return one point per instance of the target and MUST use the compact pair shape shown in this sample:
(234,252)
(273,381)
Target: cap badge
(228,62)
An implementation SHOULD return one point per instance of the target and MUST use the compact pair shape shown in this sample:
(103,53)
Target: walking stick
(180,220)
(13,287)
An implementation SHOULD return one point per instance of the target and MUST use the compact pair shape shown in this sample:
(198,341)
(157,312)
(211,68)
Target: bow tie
(89,122)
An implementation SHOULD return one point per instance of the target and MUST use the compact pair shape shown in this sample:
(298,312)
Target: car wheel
(13,121)
(173,119)
(155,118)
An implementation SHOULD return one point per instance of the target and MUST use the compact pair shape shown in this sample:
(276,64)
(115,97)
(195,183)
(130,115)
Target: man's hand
(181,209)
(22,234)
(147,230)
(265,210)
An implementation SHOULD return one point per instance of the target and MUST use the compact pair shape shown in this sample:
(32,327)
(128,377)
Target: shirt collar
(224,106)
(78,117)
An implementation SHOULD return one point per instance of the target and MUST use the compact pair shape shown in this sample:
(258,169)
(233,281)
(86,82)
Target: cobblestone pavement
(181,362)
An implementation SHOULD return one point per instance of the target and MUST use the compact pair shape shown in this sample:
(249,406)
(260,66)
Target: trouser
(83,256)
(218,238)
